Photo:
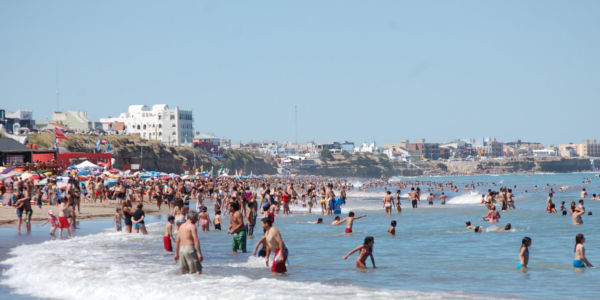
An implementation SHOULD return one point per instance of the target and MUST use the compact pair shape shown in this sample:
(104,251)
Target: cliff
(159,157)
(359,165)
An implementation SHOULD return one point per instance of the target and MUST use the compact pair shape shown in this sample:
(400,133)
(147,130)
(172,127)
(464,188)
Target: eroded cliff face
(360,165)
(129,149)
(563,165)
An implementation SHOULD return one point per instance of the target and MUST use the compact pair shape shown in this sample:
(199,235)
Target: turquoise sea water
(431,256)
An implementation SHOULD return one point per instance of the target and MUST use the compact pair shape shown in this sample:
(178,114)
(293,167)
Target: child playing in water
(336,220)
(117,220)
(217,220)
(168,237)
(204,219)
(366,250)
(350,221)
(392,229)
(53,220)
(524,253)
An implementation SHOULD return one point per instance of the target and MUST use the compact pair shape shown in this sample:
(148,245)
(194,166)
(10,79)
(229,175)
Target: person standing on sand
(274,243)
(187,246)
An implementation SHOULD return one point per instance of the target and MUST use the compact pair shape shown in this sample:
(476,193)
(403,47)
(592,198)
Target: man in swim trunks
(413,197)
(169,234)
(349,221)
(275,244)
(187,246)
(236,227)
(443,198)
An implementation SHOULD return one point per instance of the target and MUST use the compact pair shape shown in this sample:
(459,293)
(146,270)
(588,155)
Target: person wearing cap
(53,220)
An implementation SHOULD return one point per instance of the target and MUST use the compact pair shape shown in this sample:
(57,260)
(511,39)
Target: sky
(356,70)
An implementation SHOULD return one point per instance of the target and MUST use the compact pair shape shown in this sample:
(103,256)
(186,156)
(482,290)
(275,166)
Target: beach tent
(87,166)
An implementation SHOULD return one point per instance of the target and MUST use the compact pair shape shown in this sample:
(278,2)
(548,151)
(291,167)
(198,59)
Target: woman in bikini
(366,250)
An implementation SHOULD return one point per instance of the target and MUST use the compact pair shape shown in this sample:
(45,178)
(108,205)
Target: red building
(66,159)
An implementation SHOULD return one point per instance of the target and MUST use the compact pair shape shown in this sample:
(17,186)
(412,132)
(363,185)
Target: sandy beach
(88,211)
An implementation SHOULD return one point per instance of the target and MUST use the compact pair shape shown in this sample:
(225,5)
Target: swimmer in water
(524,254)
(366,250)
(469,226)
(318,221)
(392,229)
(478,229)
(507,227)
(580,261)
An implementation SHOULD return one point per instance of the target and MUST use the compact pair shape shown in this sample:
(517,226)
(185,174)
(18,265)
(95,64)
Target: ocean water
(432,255)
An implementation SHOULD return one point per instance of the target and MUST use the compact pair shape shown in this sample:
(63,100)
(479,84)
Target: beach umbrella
(9,169)
(26,175)
(42,182)
(110,182)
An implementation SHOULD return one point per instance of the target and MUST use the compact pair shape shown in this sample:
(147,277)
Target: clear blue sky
(358,70)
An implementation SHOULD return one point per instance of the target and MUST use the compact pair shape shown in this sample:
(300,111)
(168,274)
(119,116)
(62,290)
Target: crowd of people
(243,201)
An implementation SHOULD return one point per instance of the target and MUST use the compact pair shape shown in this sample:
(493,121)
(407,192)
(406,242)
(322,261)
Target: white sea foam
(470,198)
(253,262)
(121,266)
(361,194)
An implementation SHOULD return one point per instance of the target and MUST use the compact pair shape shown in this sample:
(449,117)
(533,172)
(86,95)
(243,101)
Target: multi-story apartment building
(170,126)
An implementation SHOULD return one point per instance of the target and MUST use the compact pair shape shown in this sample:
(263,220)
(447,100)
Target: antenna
(296,122)
(57,91)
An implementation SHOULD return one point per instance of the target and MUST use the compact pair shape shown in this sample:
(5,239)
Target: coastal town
(171,126)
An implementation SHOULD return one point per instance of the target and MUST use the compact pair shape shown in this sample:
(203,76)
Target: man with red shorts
(274,243)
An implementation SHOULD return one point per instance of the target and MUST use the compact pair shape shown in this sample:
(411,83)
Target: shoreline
(89,211)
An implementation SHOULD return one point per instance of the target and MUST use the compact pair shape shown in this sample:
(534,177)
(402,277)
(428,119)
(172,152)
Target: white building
(367,148)
(170,126)
(545,153)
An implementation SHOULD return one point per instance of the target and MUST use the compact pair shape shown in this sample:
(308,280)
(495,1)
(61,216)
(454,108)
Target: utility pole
(141,155)
(296,122)
(57,91)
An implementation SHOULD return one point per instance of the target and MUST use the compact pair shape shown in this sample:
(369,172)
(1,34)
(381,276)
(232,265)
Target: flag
(59,134)
(98,146)
(108,147)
